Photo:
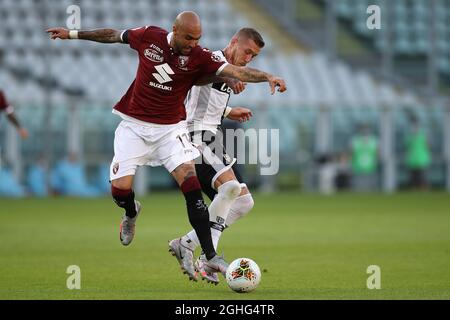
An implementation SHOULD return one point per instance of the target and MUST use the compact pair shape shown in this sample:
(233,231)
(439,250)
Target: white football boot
(210,277)
(216,264)
(185,257)
(128,226)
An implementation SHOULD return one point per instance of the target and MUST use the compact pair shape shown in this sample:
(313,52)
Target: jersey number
(185,136)
(163,73)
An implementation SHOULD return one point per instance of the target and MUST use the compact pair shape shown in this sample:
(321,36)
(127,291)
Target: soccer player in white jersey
(153,130)
(206,106)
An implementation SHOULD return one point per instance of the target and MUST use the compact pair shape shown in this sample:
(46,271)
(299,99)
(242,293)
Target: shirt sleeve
(3,102)
(4,105)
(211,63)
(133,36)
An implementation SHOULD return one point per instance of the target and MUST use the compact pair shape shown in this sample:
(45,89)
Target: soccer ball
(243,275)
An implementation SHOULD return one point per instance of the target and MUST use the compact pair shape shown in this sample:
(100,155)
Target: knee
(230,189)
(183,172)
(245,203)
(124,183)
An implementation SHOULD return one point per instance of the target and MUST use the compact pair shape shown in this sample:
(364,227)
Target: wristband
(73,34)
(227,111)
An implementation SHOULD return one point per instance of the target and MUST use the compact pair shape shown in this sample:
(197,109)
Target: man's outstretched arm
(247,74)
(13,119)
(97,35)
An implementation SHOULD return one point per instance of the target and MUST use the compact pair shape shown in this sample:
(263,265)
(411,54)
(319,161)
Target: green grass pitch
(309,247)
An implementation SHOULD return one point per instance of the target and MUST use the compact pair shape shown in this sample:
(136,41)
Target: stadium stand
(412,21)
(36,71)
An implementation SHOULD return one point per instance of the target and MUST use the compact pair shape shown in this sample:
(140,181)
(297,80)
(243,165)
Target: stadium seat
(411,25)
(9,186)
(68,178)
(37,181)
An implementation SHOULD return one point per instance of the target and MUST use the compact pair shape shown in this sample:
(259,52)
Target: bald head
(187,19)
(187,30)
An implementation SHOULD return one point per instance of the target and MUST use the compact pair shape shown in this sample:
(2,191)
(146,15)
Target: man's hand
(23,133)
(235,85)
(276,82)
(240,114)
(56,33)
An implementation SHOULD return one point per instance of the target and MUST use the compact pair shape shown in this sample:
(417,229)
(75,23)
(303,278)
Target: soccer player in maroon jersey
(5,106)
(154,131)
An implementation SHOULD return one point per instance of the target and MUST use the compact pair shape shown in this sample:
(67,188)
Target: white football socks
(240,207)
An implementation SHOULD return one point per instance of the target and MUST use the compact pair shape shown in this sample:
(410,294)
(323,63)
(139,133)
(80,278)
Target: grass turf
(309,247)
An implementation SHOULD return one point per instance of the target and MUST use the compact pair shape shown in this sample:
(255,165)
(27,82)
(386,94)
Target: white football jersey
(205,105)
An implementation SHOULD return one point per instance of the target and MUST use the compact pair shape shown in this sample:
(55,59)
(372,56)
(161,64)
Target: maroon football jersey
(163,78)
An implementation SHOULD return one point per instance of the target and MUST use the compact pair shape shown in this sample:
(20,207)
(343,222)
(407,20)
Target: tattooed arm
(235,85)
(98,35)
(247,74)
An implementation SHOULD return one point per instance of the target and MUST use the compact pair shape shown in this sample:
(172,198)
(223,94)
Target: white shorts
(150,144)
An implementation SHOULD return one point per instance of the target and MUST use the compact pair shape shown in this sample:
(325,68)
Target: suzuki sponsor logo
(163,73)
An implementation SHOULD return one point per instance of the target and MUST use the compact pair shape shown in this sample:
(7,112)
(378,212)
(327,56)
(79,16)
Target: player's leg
(217,181)
(228,188)
(242,205)
(123,196)
(177,153)
(220,184)
(129,152)
(198,215)
(239,208)
(197,210)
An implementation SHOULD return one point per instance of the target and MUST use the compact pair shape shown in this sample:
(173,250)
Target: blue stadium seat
(9,186)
